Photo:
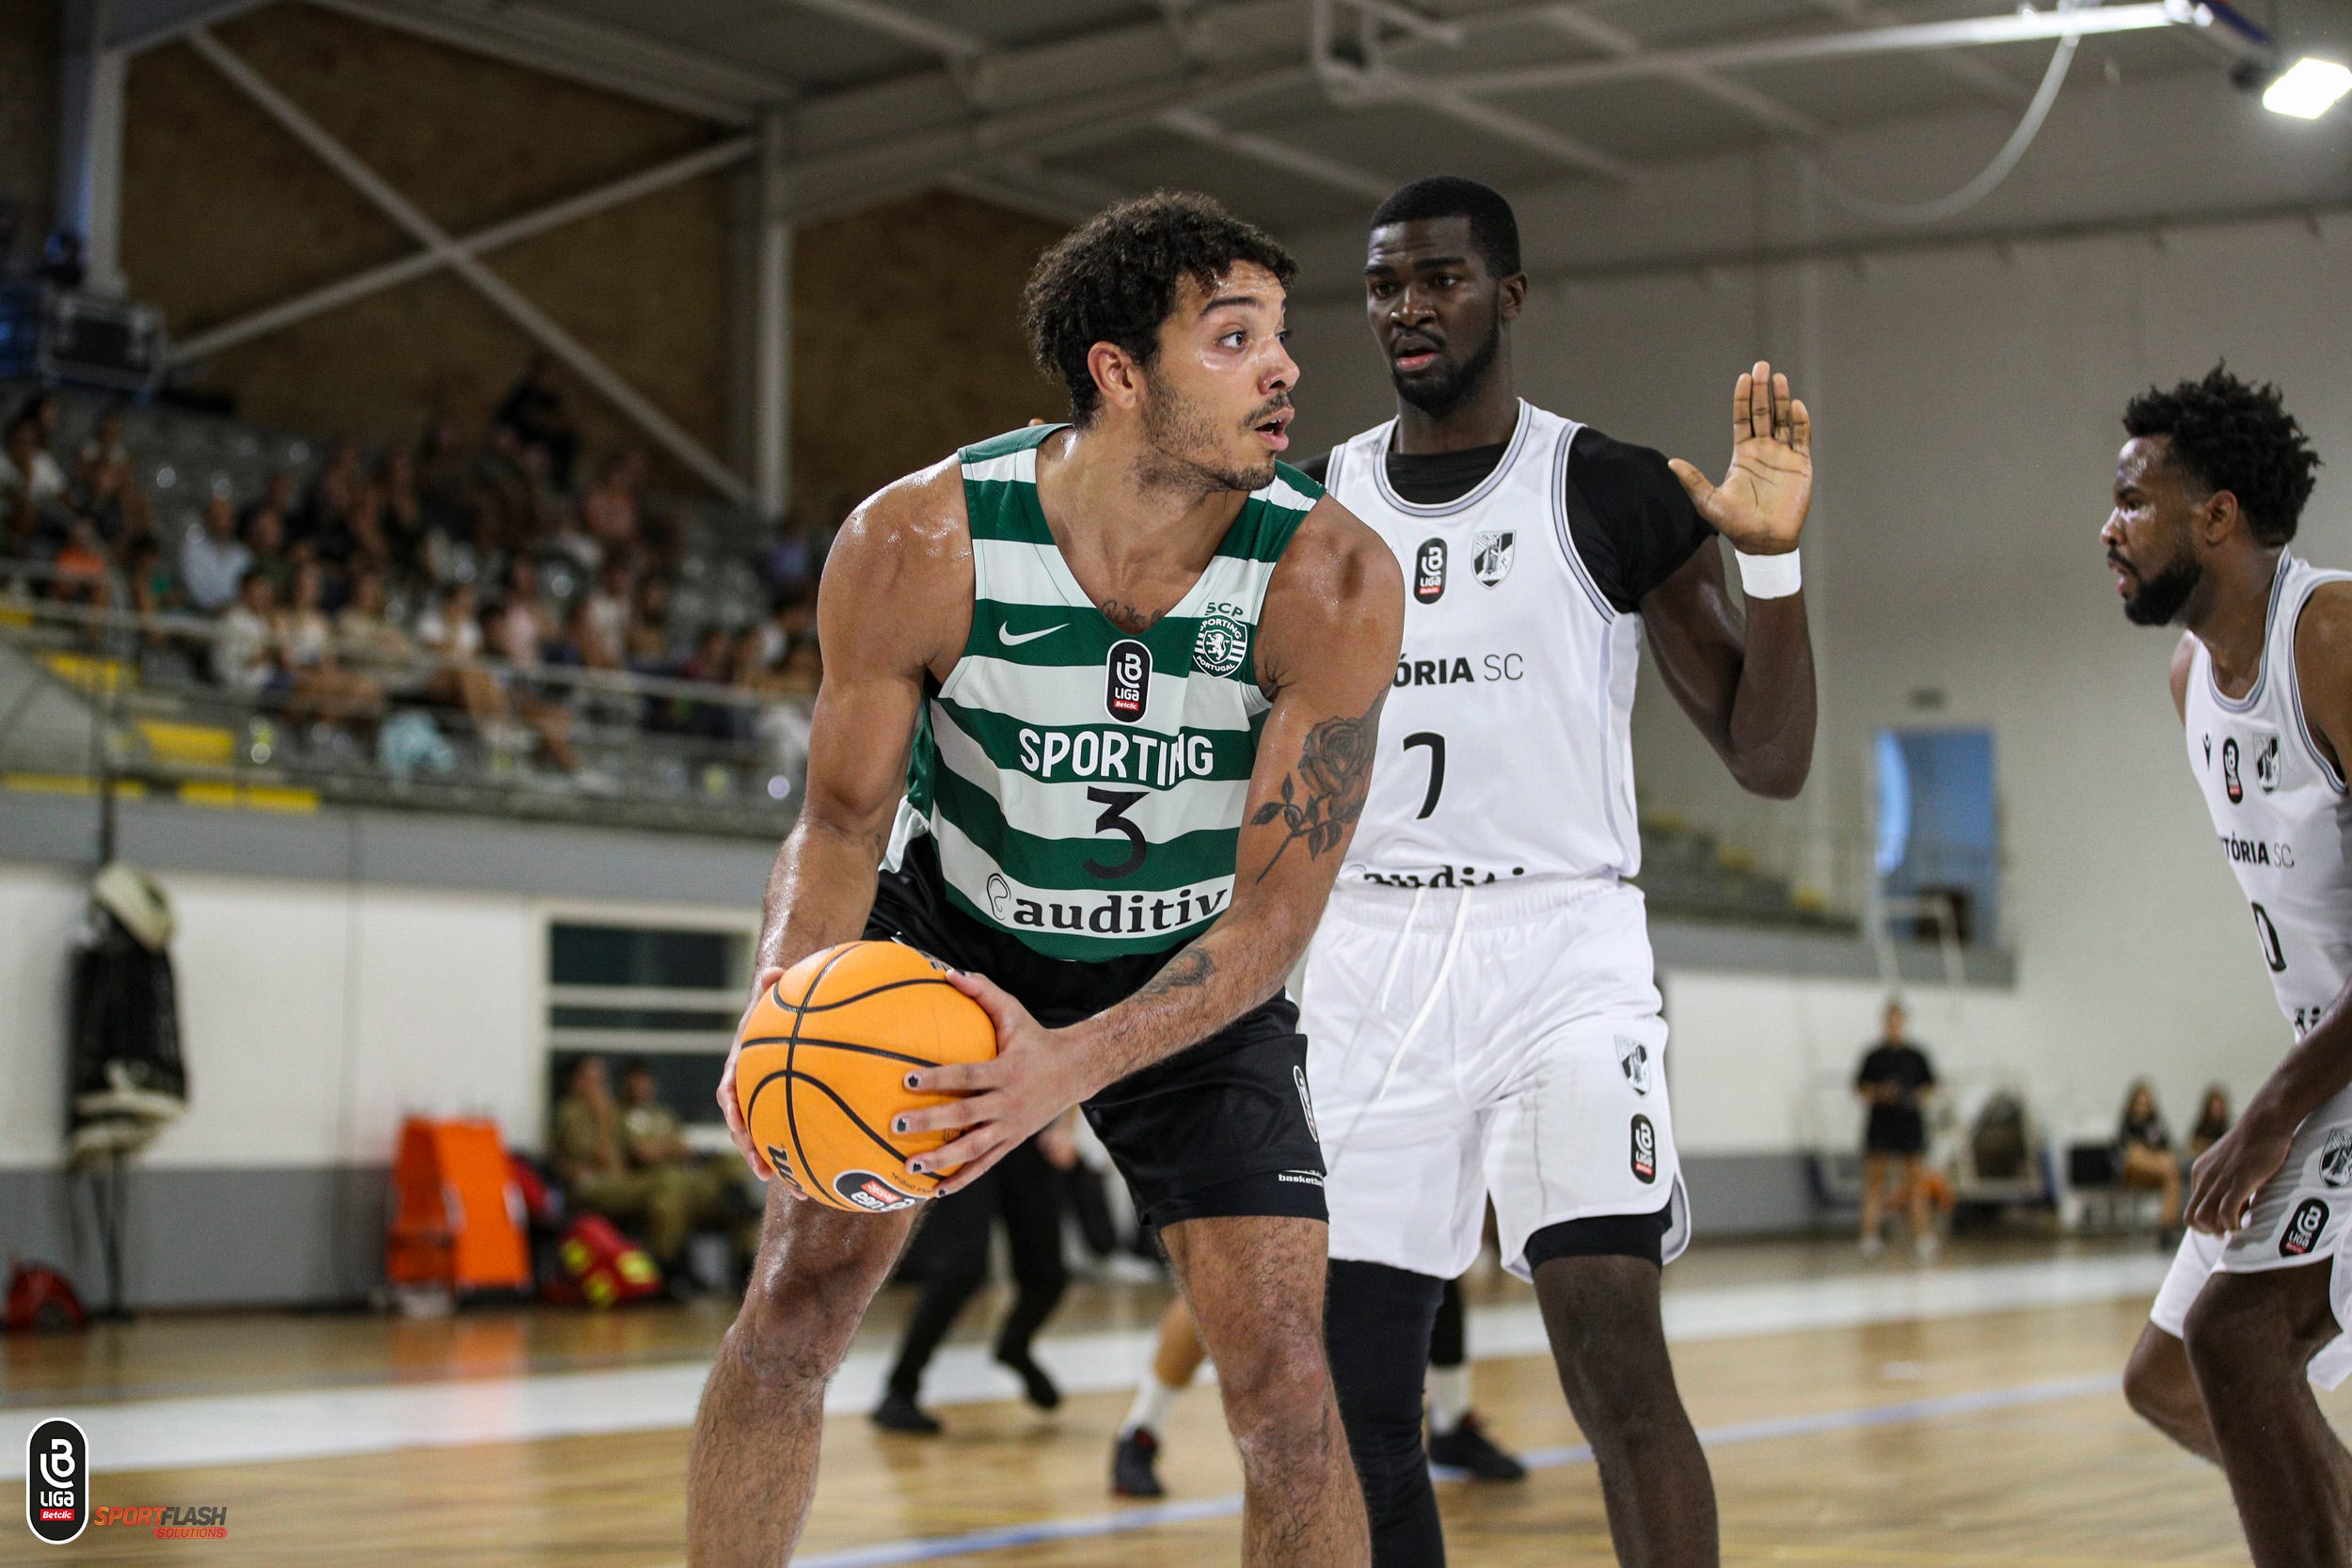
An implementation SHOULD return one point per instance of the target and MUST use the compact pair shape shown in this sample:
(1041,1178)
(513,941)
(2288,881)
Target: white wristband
(1769,577)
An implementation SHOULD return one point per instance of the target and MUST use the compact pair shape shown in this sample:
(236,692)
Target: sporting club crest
(1490,556)
(1633,1059)
(1222,642)
(2266,766)
(2335,1160)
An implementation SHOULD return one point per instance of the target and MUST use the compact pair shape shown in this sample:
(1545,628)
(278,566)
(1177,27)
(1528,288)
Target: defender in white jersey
(2208,492)
(1485,1024)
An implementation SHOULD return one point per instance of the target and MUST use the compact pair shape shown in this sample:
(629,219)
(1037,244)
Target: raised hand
(1761,505)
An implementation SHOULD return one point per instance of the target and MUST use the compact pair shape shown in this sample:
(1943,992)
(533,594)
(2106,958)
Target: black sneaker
(1134,1459)
(1035,1384)
(898,1413)
(1469,1450)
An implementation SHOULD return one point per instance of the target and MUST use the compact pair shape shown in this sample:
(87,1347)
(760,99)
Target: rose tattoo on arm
(1325,796)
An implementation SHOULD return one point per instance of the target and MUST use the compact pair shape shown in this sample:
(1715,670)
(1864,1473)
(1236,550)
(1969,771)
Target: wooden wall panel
(908,343)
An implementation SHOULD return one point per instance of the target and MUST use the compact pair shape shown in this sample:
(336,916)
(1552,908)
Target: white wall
(315,1016)
(1967,404)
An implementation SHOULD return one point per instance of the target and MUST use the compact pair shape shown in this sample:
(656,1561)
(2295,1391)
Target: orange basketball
(822,1073)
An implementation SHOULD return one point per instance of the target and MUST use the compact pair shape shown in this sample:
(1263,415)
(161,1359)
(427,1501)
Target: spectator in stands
(84,572)
(246,650)
(402,513)
(366,640)
(1895,1081)
(265,536)
(2213,1120)
(536,623)
(610,509)
(110,496)
(321,685)
(607,603)
(590,1158)
(106,447)
(653,1141)
(513,639)
(154,589)
(648,646)
(278,495)
(29,477)
(214,561)
(2144,1157)
(533,411)
(45,411)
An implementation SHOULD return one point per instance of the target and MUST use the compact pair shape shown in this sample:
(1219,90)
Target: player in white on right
(2208,491)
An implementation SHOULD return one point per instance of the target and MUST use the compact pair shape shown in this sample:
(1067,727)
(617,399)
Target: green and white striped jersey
(1086,785)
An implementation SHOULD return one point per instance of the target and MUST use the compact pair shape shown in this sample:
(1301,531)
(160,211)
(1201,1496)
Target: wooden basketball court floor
(1964,1411)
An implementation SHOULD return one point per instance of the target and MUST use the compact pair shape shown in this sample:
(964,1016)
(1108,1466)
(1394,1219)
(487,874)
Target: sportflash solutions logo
(57,1494)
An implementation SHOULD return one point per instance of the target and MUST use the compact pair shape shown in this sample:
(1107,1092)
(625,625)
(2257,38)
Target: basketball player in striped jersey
(1100,699)
(1481,1013)
(2208,492)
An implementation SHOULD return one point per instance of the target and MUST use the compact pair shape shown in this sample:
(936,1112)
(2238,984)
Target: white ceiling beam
(1970,71)
(1766,111)
(572,47)
(1441,96)
(533,321)
(359,285)
(1013,195)
(132,25)
(968,49)
(1196,126)
(2023,27)
(846,179)
(951,43)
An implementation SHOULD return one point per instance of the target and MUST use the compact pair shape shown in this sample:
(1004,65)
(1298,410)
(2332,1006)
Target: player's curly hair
(1113,280)
(2230,435)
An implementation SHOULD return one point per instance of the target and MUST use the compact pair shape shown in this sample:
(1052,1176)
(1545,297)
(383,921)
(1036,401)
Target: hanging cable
(2004,162)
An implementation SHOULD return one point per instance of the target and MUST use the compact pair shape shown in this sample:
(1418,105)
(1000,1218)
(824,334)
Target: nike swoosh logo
(1009,641)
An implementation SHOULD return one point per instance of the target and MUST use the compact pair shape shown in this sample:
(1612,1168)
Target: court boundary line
(893,1554)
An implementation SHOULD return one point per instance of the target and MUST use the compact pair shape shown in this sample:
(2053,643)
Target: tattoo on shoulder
(1324,795)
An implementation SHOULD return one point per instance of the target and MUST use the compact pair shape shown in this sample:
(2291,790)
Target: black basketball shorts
(1223,1128)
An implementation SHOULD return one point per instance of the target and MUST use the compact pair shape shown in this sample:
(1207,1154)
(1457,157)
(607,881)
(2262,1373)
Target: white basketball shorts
(1502,1040)
(2300,1218)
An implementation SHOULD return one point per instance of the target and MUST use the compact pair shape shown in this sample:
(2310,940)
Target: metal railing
(92,692)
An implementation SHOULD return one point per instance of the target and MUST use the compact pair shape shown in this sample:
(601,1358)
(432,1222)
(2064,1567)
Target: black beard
(1450,391)
(1173,427)
(2162,597)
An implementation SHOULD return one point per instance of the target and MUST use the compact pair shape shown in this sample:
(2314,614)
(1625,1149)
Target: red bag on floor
(42,1301)
(602,1267)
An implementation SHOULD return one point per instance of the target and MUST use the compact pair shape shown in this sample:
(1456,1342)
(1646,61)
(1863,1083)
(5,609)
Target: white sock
(1150,1410)
(1449,1397)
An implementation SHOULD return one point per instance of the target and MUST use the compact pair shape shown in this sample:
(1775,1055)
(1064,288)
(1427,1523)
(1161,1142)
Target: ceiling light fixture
(2308,88)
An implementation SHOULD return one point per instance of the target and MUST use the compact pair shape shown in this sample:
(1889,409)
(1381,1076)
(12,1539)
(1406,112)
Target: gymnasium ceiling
(1302,112)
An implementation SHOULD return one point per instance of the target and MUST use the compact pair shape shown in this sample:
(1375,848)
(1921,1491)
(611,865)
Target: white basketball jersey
(1506,747)
(2281,809)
